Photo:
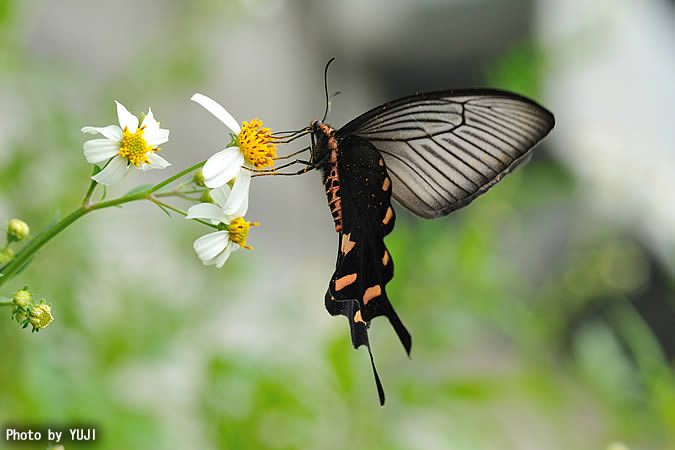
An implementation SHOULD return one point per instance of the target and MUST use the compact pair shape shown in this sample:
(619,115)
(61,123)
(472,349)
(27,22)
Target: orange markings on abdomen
(332,184)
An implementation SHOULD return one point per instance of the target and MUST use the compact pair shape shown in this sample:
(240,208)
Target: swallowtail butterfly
(434,152)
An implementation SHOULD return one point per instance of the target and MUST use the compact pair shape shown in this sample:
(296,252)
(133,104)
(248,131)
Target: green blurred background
(543,316)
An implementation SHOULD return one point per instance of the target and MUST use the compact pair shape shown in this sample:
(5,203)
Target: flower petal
(207,211)
(218,111)
(149,122)
(98,150)
(220,259)
(112,132)
(156,162)
(222,167)
(125,118)
(210,245)
(113,172)
(220,195)
(156,137)
(237,202)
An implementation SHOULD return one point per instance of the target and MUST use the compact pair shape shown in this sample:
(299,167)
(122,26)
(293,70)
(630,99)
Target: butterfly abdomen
(329,167)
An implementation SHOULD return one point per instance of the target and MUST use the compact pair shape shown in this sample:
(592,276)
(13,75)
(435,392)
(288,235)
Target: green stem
(90,191)
(146,193)
(175,177)
(33,246)
(167,206)
(180,193)
(7,302)
(36,244)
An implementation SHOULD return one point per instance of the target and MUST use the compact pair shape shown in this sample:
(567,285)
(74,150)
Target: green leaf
(163,209)
(137,189)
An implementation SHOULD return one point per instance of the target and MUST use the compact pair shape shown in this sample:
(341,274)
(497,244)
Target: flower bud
(6,255)
(206,197)
(23,297)
(198,178)
(40,316)
(17,230)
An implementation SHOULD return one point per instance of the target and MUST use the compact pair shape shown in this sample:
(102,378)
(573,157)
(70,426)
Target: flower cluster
(26,312)
(227,173)
(252,148)
(220,191)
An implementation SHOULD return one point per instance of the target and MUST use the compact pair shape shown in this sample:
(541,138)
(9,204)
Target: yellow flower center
(135,148)
(257,144)
(238,230)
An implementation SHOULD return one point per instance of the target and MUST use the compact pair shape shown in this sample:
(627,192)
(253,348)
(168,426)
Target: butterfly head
(321,129)
(323,141)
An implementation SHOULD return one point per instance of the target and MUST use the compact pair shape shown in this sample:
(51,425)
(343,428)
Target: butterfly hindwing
(364,266)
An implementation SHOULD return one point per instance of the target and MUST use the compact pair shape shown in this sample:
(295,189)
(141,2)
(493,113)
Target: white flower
(253,148)
(127,144)
(230,205)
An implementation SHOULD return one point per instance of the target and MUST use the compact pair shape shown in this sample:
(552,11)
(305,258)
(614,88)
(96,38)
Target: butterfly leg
(283,166)
(290,139)
(291,155)
(309,166)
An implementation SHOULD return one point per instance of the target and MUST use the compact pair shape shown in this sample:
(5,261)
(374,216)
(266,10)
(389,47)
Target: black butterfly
(435,152)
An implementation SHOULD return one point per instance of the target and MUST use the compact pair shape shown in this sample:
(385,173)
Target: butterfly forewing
(443,149)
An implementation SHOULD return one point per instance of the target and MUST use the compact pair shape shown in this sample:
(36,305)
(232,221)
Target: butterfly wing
(357,289)
(443,149)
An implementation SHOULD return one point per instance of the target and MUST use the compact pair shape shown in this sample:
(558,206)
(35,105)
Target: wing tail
(359,331)
(400,329)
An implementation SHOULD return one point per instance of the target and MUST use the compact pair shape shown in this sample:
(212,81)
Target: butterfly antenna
(325,85)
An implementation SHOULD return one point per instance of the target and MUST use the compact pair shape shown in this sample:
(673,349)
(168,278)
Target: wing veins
(504,120)
(472,155)
(483,140)
(445,161)
(489,132)
(426,177)
(516,135)
(411,139)
(466,163)
(393,115)
(517,113)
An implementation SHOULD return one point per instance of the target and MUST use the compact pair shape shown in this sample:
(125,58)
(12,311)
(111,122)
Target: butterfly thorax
(325,157)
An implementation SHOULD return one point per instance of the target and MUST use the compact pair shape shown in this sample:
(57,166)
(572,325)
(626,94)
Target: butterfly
(434,153)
